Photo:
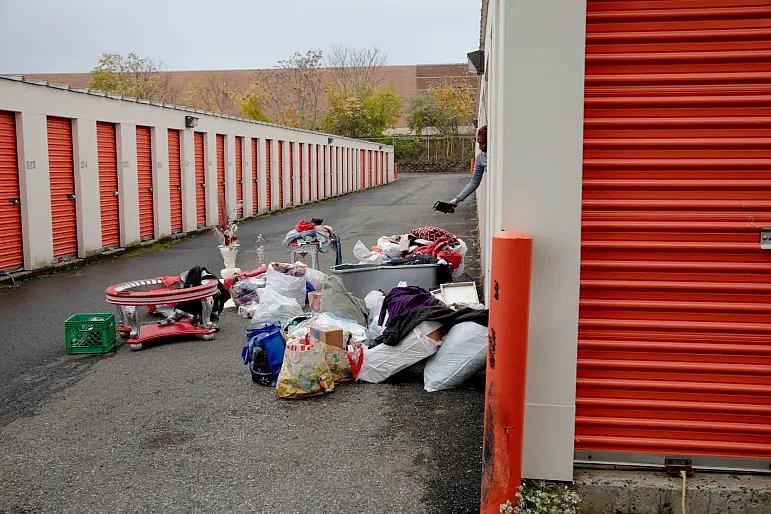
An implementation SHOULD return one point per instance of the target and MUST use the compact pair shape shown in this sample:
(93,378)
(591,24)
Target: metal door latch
(71,196)
(765,238)
(115,193)
(14,201)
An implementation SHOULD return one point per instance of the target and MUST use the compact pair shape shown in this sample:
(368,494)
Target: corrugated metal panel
(221,202)
(318,174)
(145,182)
(302,182)
(200,180)
(268,178)
(175,180)
(674,351)
(338,168)
(363,168)
(11,251)
(61,168)
(107,153)
(281,174)
(239,174)
(324,167)
(291,173)
(255,176)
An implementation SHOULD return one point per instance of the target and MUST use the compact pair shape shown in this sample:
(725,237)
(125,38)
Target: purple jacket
(405,299)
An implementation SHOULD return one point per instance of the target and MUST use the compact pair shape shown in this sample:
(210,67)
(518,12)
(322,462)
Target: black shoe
(445,207)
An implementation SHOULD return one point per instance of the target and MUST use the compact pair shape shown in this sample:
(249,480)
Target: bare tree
(354,70)
(293,89)
(212,92)
(131,75)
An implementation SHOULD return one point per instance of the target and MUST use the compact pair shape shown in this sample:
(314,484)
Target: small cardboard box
(437,334)
(314,301)
(330,337)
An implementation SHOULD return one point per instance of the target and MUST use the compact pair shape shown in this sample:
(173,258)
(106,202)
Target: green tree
(131,75)
(250,102)
(362,113)
(211,92)
(443,109)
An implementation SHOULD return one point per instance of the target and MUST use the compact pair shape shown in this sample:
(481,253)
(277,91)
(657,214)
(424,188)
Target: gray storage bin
(360,279)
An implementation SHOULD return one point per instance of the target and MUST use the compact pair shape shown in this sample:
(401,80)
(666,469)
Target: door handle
(149,189)
(179,187)
(14,201)
(115,193)
(71,196)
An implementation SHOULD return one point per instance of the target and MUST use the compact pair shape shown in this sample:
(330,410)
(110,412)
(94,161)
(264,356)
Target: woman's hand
(455,201)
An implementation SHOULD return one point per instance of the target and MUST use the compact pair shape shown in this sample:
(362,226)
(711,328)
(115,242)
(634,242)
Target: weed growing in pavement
(542,497)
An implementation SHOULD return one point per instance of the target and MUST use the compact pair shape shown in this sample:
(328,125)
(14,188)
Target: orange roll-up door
(268,178)
(291,173)
(255,177)
(11,251)
(107,156)
(674,350)
(239,175)
(62,178)
(326,173)
(318,174)
(221,203)
(362,169)
(200,180)
(175,181)
(145,183)
(300,164)
(281,174)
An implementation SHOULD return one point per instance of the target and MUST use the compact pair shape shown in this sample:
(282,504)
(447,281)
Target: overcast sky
(47,36)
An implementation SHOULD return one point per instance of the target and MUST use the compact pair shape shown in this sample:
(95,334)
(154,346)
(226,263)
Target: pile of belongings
(314,233)
(422,245)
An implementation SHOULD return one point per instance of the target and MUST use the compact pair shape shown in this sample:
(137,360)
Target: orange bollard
(506,367)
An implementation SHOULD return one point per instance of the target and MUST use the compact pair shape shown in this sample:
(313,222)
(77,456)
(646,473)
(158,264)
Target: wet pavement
(181,426)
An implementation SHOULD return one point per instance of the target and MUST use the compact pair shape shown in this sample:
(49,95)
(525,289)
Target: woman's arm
(479,170)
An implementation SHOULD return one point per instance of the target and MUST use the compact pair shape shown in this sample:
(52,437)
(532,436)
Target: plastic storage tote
(89,333)
(360,279)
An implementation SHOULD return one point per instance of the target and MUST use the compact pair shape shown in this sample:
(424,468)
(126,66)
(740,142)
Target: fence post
(506,367)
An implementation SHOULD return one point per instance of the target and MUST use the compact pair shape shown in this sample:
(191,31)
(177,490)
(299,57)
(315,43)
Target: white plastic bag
(383,361)
(328,321)
(275,308)
(462,354)
(286,285)
(315,278)
(390,249)
(367,256)
(374,302)
(461,248)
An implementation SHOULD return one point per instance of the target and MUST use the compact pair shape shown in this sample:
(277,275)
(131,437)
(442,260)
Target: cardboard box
(437,334)
(330,337)
(314,301)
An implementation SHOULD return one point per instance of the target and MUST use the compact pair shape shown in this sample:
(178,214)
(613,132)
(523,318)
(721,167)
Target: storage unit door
(268,178)
(674,350)
(11,251)
(200,180)
(175,181)
(62,179)
(362,169)
(280,174)
(239,175)
(300,174)
(145,183)
(221,203)
(107,154)
(291,173)
(255,176)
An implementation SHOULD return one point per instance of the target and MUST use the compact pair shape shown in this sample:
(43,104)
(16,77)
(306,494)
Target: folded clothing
(400,326)
(431,233)
(404,299)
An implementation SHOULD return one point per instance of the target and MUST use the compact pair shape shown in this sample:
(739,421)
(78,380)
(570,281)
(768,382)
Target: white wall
(533,104)
(33,101)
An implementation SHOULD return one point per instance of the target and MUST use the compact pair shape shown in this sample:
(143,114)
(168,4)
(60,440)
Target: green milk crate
(89,333)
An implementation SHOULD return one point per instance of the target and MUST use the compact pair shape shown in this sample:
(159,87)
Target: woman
(480,165)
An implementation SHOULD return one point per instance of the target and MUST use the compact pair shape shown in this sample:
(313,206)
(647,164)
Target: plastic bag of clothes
(335,299)
(389,248)
(367,256)
(462,354)
(374,302)
(274,308)
(264,352)
(244,291)
(304,372)
(287,280)
(383,361)
(343,364)
(315,278)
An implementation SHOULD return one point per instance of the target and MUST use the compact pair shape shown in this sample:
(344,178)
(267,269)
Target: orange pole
(506,367)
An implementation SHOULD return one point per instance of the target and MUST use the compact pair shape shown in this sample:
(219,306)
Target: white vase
(229,254)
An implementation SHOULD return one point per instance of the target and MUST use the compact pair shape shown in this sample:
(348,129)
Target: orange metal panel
(291,173)
(674,350)
(200,180)
(11,251)
(108,183)
(221,202)
(280,174)
(255,177)
(145,183)
(300,149)
(175,180)
(239,174)
(324,168)
(268,178)
(318,174)
(61,168)
(363,169)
